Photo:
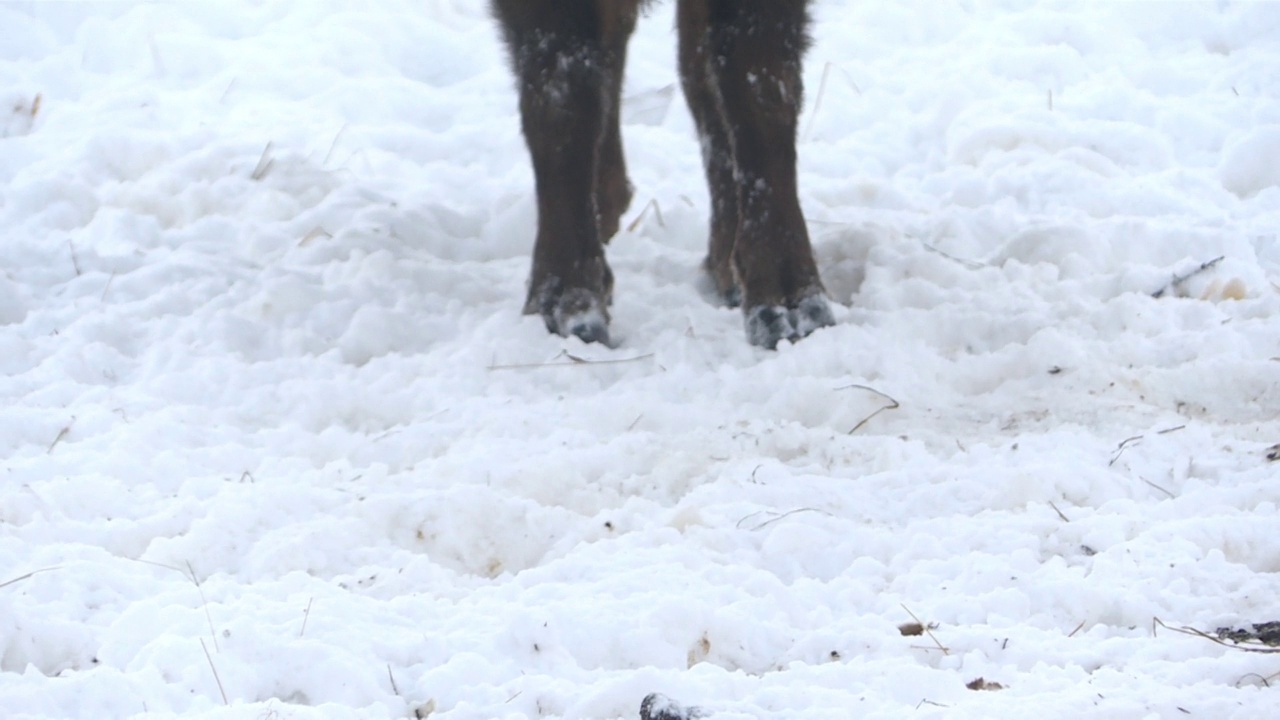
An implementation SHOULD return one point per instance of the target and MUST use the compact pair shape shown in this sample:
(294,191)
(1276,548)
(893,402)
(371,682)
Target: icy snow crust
(267,388)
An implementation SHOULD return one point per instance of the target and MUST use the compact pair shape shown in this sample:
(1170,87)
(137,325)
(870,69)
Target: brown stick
(927,631)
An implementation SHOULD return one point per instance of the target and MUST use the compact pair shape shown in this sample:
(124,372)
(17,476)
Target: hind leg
(754,51)
(567,64)
(613,189)
(717,146)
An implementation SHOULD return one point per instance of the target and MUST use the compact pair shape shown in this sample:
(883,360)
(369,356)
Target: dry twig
(1266,681)
(573,360)
(20,578)
(1245,646)
(927,630)
(333,145)
(75,259)
(61,434)
(418,712)
(657,213)
(817,102)
(107,286)
(777,517)
(1166,492)
(307,614)
(214,668)
(1124,444)
(971,264)
(204,603)
(1177,280)
(264,164)
(893,405)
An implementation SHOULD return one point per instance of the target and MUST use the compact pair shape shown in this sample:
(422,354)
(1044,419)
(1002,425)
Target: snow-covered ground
(270,409)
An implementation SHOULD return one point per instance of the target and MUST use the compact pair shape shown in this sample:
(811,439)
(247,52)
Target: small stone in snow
(656,706)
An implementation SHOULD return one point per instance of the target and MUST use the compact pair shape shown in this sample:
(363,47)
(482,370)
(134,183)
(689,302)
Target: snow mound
(1251,164)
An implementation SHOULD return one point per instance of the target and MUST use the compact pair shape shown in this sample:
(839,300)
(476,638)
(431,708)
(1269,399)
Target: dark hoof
(810,314)
(575,312)
(589,328)
(581,312)
(660,707)
(767,325)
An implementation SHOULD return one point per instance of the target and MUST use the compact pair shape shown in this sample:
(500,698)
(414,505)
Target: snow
(272,410)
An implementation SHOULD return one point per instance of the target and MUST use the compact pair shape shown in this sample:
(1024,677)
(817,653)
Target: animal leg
(717,146)
(562,66)
(613,189)
(756,49)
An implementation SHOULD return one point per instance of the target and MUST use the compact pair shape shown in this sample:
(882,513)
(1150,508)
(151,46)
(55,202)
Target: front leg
(756,48)
(561,65)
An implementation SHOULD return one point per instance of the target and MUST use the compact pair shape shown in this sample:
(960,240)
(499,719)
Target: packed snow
(279,443)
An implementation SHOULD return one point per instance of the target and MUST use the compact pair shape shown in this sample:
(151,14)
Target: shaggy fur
(740,68)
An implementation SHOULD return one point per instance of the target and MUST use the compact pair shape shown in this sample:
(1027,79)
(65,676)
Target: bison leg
(567,61)
(613,189)
(754,50)
(717,146)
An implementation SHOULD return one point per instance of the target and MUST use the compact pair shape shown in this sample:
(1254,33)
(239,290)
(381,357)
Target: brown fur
(740,67)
